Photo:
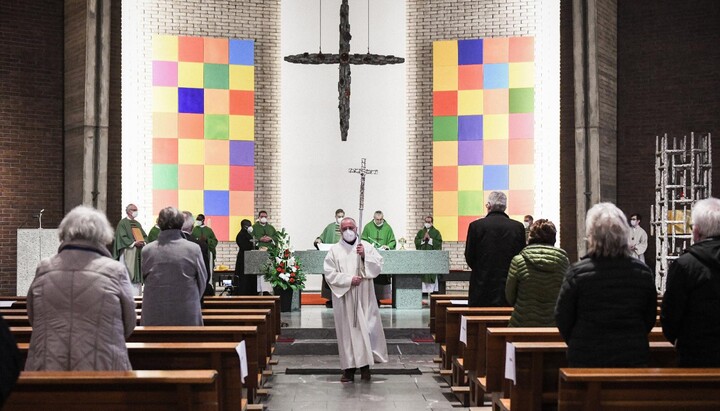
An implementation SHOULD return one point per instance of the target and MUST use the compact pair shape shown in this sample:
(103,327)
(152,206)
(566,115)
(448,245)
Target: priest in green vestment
(263,232)
(330,235)
(428,238)
(205,233)
(129,241)
(153,234)
(379,233)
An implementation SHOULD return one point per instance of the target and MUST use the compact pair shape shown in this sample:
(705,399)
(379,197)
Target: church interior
(232,107)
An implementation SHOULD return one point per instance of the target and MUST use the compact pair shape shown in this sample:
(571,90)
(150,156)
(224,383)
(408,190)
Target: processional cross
(344,58)
(363,171)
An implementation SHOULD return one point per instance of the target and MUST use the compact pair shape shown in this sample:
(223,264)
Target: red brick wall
(31,120)
(668,82)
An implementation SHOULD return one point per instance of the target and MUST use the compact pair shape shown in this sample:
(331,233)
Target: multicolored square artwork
(483,103)
(203,129)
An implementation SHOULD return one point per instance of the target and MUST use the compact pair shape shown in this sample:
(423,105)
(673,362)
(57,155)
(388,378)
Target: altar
(405,266)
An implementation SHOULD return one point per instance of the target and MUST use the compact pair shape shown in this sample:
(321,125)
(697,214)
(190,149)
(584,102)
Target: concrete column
(87,86)
(595,68)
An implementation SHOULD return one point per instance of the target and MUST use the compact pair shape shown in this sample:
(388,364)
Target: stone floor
(385,392)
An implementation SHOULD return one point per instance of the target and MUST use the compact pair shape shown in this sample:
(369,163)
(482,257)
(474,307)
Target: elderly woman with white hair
(607,303)
(80,303)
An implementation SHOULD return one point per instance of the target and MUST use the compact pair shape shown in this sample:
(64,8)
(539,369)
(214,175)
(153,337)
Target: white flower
(291,261)
(278,260)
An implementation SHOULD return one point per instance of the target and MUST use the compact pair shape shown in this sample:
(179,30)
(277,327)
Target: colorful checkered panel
(203,129)
(483,98)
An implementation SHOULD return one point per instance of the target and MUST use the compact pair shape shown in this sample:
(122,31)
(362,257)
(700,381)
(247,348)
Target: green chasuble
(436,238)
(205,233)
(378,237)
(260,230)
(331,234)
(124,239)
(153,234)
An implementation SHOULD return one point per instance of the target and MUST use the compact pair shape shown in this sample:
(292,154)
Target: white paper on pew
(510,362)
(6,304)
(463,329)
(458,302)
(243,360)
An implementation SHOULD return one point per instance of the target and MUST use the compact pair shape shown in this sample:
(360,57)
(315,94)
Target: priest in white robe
(350,267)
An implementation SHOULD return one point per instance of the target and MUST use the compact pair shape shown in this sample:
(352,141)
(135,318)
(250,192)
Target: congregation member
(428,238)
(349,268)
(330,235)
(607,303)
(638,241)
(9,361)
(380,235)
(691,304)
(491,244)
(527,222)
(535,277)
(175,275)
(187,229)
(130,238)
(206,234)
(244,284)
(80,304)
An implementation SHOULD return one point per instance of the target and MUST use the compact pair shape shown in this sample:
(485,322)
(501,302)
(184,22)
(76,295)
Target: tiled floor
(385,392)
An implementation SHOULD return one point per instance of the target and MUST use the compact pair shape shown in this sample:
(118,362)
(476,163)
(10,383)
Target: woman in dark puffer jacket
(607,304)
(535,277)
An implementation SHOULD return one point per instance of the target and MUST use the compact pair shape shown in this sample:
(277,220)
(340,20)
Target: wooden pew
(497,316)
(192,334)
(219,356)
(537,366)
(117,390)
(434,298)
(639,389)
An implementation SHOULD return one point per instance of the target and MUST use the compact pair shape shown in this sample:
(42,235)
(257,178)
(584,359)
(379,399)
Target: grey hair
(189,221)
(607,231)
(127,207)
(497,201)
(350,219)
(87,224)
(706,217)
(170,218)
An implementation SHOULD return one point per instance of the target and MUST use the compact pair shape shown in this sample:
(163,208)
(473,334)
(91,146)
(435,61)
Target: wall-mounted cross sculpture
(345,59)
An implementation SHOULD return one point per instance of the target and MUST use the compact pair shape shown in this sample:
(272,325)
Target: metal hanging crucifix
(344,59)
(363,171)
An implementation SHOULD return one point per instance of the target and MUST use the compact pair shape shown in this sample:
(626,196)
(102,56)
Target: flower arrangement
(283,269)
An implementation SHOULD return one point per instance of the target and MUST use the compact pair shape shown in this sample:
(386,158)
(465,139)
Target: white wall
(315,180)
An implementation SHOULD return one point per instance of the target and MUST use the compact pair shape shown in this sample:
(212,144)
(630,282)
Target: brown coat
(81,309)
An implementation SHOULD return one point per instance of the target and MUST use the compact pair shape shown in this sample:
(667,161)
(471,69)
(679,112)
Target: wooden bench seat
(219,356)
(434,298)
(639,389)
(195,390)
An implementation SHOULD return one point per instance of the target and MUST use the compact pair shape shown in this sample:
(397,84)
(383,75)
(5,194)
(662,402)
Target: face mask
(349,236)
(526,224)
(249,229)
(633,223)
(134,214)
(428,225)
(263,220)
(381,223)
(197,223)
(338,219)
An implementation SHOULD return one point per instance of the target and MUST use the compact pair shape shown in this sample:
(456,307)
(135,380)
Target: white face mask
(349,236)
(249,229)
(381,223)
(134,214)
(197,223)
(428,225)
(633,223)
(338,219)
(526,224)
(263,220)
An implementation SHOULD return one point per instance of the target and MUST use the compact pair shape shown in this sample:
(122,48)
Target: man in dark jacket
(691,304)
(491,244)
(9,361)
